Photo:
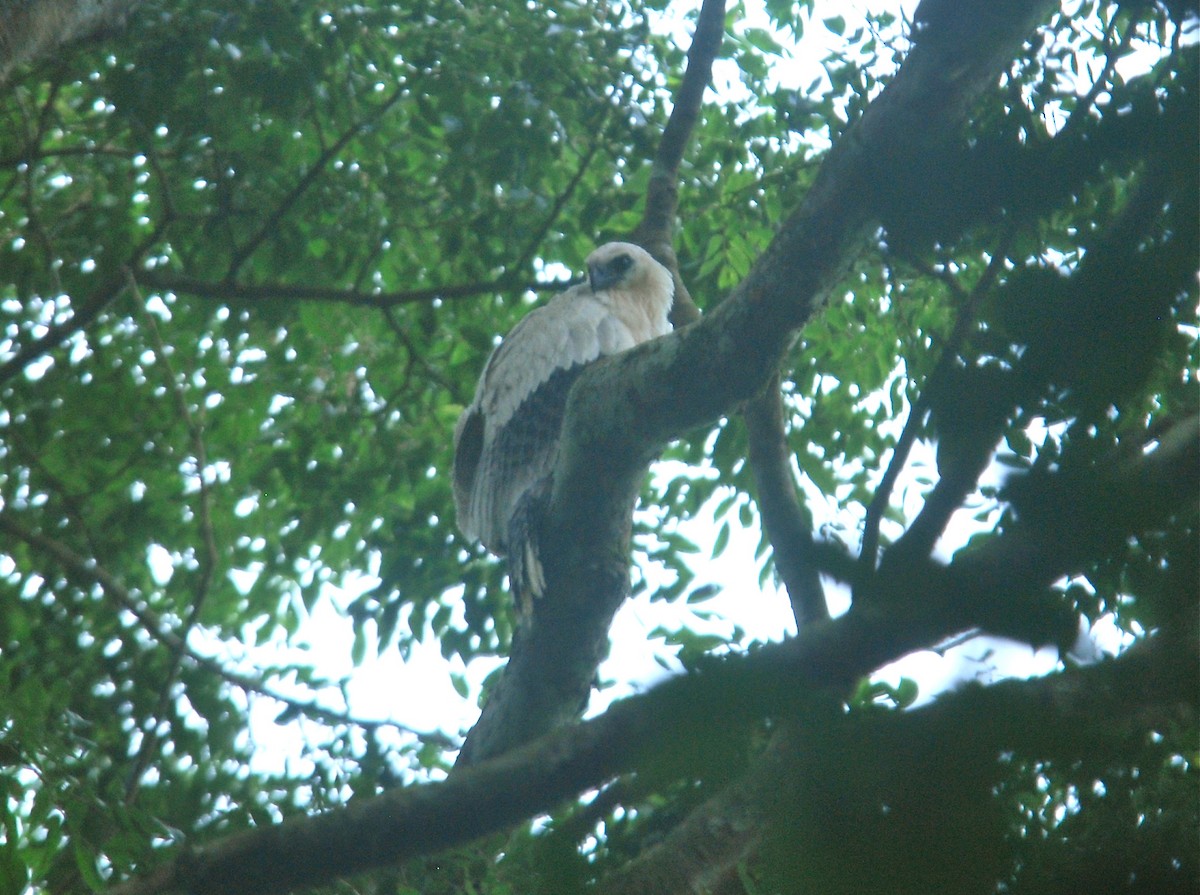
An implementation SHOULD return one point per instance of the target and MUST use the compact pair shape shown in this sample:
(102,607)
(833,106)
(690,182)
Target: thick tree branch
(1031,716)
(627,407)
(788,526)
(1150,681)
(778,679)
(552,661)
(716,837)
(623,410)
(1079,714)
(655,232)
(31,31)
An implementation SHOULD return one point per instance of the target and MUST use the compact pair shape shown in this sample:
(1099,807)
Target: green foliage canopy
(252,257)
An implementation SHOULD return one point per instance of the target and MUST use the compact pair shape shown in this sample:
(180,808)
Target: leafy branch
(112,287)
(271,223)
(92,571)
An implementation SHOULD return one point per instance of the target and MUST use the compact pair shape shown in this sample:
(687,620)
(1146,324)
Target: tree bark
(32,30)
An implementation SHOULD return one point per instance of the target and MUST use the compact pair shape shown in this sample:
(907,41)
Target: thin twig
(90,309)
(271,223)
(968,308)
(227,291)
(416,356)
(209,558)
(560,202)
(28,156)
(58,333)
(73,502)
(1111,57)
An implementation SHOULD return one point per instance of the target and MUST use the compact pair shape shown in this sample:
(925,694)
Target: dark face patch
(619,264)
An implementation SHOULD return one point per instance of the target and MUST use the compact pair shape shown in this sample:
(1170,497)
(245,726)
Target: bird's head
(625,265)
(634,287)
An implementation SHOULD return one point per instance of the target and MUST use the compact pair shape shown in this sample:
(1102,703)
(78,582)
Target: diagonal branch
(656,229)
(623,410)
(1107,268)
(87,312)
(968,308)
(787,524)
(563,198)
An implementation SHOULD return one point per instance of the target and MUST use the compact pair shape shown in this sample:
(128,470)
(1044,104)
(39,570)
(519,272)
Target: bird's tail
(526,575)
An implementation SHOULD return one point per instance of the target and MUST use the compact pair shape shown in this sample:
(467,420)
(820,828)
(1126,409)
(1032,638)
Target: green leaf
(836,24)
(722,540)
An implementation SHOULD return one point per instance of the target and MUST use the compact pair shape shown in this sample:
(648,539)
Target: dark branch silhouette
(404,824)
(797,678)
(787,525)
(169,282)
(655,231)
(968,309)
(969,433)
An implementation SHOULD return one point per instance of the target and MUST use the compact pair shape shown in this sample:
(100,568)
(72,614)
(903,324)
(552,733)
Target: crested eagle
(506,442)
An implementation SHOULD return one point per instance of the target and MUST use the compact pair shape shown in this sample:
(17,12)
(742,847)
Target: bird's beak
(601,276)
